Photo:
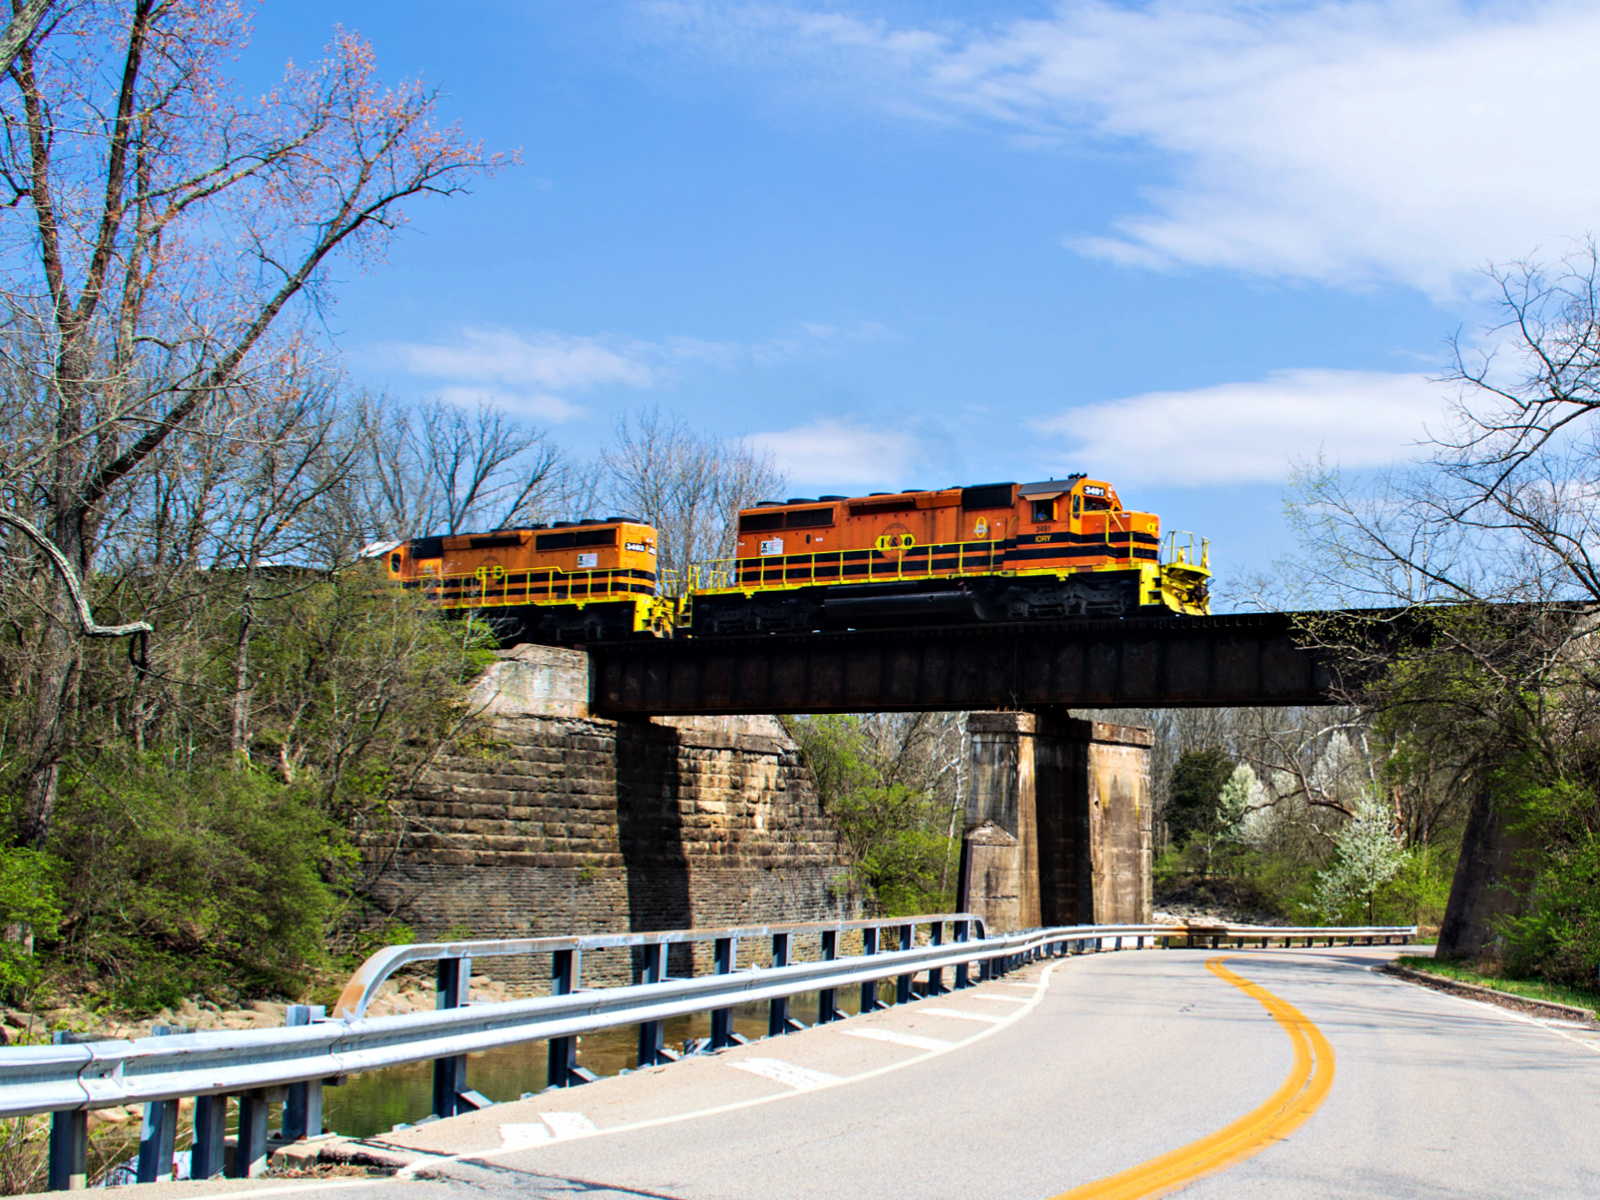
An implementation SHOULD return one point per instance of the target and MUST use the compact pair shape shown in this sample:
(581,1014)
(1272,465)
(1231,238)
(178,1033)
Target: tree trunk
(239,739)
(53,689)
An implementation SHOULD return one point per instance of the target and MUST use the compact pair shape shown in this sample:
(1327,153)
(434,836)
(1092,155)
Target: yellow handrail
(472,587)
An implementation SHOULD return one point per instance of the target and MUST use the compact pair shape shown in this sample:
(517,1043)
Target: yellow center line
(1300,1095)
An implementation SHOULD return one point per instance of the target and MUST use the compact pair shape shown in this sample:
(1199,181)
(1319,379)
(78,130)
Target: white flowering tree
(1367,854)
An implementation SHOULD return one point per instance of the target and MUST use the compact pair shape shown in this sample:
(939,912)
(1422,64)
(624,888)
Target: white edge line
(372,1181)
(955,1014)
(1497,1009)
(737,1105)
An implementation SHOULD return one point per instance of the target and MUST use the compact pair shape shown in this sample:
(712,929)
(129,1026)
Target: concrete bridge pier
(1058,821)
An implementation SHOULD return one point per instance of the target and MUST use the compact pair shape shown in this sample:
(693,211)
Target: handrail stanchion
(724,957)
(651,1049)
(778,1007)
(902,991)
(69,1141)
(828,998)
(250,1151)
(869,990)
(450,1074)
(302,1111)
(936,985)
(963,978)
(158,1133)
(210,1134)
(565,967)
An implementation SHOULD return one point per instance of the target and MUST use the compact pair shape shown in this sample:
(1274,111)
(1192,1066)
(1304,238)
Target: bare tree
(438,468)
(169,227)
(689,485)
(1485,554)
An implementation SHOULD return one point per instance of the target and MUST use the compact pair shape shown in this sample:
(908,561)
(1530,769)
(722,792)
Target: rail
(261,1067)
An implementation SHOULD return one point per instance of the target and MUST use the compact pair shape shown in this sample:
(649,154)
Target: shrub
(182,881)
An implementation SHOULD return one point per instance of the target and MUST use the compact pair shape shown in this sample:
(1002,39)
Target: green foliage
(1197,782)
(898,850)
(179,881)
(901,852)
(1558,935)
(208,841)
(30,910)
(1420,891)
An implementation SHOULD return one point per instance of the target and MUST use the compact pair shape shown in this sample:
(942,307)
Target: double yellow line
(1283,1112)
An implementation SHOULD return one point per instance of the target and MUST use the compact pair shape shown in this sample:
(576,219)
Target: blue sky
(918,243)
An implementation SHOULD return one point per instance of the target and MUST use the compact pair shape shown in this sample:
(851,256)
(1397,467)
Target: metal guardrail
(290,1064)
(364,984)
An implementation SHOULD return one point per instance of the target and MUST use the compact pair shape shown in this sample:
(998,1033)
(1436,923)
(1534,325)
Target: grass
(1532,989)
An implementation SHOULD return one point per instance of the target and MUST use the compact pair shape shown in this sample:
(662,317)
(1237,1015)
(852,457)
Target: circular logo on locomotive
(895,540)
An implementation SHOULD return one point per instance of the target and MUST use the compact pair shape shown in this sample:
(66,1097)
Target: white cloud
(543,360)
(1253,432)
(529,373)
(1346,142)
(829,454)
(537,405)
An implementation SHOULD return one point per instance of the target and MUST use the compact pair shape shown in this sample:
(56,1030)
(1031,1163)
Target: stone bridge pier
(1058,821)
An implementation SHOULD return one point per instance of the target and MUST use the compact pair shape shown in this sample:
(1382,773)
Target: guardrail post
(778,1008)
(828,998)
(936,985)
(159,1132)
(902,988)
(724,955)
(450,1074)
(963,978)
(302,1111)
(250,1153)
(210,1133)
(651,1049)
(69,1141)
(869,990)
(565,969)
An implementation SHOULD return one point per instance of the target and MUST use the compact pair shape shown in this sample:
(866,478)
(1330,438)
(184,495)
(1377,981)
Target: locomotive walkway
(1105,1075)
(1240,659)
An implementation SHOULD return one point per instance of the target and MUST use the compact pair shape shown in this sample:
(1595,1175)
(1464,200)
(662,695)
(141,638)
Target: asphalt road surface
(1268,1073)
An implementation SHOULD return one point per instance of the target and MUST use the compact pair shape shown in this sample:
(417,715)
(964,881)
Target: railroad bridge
(1239,660)
(632,788)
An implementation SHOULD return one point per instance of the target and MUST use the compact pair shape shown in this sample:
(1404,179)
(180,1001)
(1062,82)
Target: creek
(375,1102)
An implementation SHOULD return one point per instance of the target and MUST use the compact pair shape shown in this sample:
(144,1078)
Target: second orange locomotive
(996,552)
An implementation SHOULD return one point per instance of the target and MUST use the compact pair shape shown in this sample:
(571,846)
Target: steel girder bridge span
(1240,660)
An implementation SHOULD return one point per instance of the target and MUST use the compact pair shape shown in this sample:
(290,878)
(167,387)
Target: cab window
(1044,510)
(1077,507)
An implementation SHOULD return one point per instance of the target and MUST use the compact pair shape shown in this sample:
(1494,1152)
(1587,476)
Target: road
(1274,1074)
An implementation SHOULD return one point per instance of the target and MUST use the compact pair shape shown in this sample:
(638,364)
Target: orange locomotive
(574,581)
(997,552)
